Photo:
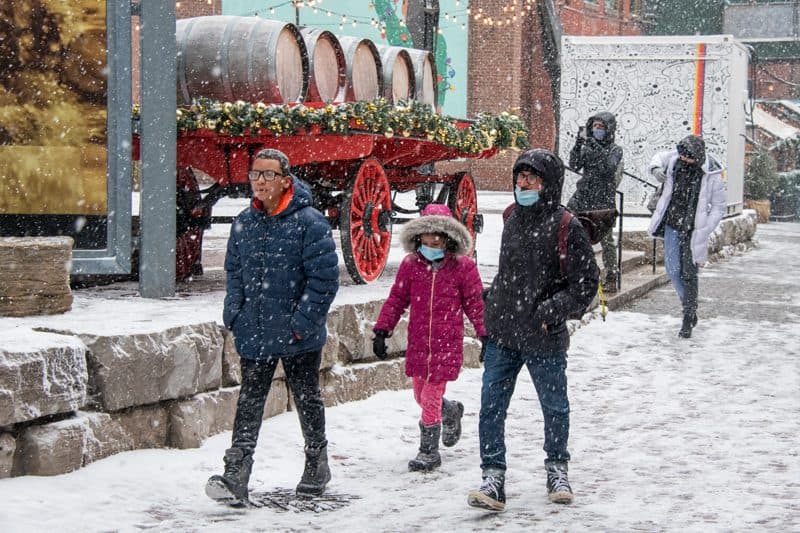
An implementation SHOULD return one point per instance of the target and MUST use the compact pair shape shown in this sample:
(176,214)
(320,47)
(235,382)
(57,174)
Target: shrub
(786,196)
(761,176)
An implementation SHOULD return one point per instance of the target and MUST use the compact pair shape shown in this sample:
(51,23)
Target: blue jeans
(548,372)
(680,267)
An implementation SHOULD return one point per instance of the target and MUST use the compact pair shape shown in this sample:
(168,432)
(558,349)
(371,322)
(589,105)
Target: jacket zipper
(430,323)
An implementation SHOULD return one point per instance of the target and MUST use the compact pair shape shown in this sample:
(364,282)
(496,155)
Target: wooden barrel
(231,58)
(364,69)
(327,68)
(424,76)
(398,73)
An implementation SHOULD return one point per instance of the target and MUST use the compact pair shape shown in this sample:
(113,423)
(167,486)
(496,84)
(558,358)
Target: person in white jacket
(690,208)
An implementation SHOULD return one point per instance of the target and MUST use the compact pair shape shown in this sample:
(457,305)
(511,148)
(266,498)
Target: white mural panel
(660,89)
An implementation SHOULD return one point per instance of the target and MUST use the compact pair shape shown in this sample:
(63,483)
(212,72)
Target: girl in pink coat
(440,284)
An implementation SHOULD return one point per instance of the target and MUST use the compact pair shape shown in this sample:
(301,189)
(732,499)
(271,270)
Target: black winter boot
(428,457)
(231,487)
(492,494)
(316,473)
(558,489)
(689,321)
(451,421)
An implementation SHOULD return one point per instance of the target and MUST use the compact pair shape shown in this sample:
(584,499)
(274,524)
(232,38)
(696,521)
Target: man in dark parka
(282,276)
(525,312)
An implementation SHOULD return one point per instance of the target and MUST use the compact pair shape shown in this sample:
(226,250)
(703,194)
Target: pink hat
(437,210)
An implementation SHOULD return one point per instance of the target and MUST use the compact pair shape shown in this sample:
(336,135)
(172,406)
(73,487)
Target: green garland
(404,119)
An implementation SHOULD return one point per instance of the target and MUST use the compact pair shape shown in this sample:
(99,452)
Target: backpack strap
(563,230)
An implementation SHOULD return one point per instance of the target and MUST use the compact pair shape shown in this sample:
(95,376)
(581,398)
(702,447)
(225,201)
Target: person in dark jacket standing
(282,276)
(600,159)
(525,312)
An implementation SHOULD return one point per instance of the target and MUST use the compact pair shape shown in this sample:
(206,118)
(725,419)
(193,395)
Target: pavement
(667,434)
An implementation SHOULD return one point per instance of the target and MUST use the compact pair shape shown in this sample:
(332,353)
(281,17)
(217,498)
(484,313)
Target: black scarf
(685,193)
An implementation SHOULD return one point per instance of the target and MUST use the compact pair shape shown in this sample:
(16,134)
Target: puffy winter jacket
(282,276)
(438,299)
(529,290)
(710,202)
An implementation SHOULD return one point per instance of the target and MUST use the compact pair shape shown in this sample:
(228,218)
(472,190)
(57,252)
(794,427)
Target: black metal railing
(621,211)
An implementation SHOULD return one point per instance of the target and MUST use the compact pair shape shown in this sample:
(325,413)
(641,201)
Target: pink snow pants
(429,397)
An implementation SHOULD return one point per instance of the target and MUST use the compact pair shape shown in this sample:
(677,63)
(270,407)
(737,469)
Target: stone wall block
(145,427)
(231,370)
(472,352)
(358,382)
(140,369)
(331,352)
(42,290)
(63,446)
(351,334)
(192,421)
(277,400)
(7,446)
(43,375)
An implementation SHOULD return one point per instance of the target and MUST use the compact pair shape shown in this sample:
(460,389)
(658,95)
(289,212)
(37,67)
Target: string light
(510,13)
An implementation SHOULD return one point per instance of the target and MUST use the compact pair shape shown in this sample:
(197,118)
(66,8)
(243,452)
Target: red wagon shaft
(354,156)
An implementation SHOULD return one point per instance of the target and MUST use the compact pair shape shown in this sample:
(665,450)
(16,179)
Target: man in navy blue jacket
(282,276)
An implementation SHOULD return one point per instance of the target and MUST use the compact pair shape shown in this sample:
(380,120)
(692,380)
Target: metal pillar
(158,133)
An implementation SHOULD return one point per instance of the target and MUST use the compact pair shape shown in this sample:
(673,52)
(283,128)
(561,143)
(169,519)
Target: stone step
(631,259)
(635,284)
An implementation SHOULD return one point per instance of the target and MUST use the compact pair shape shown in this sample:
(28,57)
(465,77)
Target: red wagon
(353,178)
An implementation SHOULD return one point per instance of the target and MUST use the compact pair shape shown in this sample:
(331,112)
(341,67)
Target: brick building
(516,66)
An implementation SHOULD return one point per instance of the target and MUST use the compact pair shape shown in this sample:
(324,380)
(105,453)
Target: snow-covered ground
(667,434)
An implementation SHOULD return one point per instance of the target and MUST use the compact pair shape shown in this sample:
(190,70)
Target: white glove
(659,174)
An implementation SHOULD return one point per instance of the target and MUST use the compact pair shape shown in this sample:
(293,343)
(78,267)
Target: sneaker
(491,495)
(558,489)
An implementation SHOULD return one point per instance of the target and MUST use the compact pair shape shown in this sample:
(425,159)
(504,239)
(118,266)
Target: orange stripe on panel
(699,88)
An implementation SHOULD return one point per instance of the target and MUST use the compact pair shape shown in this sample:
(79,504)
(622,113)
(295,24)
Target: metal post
(158,134)
(619,239)
(654,256)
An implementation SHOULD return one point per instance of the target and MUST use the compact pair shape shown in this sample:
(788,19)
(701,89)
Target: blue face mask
(599,134)
(431,254)
(526,197)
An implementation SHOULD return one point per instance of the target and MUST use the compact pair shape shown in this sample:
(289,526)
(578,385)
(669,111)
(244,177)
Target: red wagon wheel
(365,222)
(463,202)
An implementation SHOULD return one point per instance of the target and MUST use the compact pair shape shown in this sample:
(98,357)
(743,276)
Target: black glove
(379,344)
(592,149)
(482,356)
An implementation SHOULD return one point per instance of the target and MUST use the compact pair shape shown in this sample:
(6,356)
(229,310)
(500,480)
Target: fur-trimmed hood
(436,218)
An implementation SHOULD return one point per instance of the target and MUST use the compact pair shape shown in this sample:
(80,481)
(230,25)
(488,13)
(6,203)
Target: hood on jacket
(436,218)
(694,146)
(609,120)
(549,166)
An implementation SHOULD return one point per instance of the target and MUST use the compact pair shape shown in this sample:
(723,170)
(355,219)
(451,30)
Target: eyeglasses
(530,177)
(268,175)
